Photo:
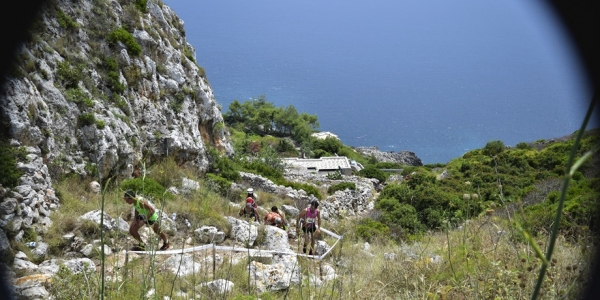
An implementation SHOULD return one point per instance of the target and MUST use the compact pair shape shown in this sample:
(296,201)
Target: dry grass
(484,259)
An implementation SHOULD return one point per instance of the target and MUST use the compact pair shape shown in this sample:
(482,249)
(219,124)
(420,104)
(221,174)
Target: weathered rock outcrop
(402,157)
(104,84)
(101,85)
(341,203)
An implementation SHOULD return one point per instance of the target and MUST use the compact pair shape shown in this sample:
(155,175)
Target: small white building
(324,134)
(323,165)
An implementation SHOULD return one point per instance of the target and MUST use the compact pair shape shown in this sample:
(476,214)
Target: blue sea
(438,78)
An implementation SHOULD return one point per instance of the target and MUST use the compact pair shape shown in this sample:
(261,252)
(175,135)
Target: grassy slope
(484,258)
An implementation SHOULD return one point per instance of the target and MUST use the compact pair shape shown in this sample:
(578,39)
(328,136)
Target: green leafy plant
(142,5)
(86,119)
(69,75)
(369,229)
(9,173)
(373,172)
(65,21)
(341,186)
(218,184)
(145,186)
(123,36)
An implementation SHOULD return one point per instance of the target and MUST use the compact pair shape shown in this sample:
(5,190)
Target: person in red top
(250,208)
(275,218)
(310,218)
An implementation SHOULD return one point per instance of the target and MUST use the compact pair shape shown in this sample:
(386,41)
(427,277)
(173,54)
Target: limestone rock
(23,265)
(220,286)
(242,231)
(277,276)
(76,265)
(321,248)
(276,239)
(95,187)
(40,251)
(183,264)
(209,234)
(402,157)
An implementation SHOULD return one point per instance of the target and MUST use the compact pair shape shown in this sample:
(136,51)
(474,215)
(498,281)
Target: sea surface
(438,78)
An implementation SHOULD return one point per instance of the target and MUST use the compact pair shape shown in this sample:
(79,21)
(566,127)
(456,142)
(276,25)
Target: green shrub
(218,184)
(420,179)
(372,172)
(68,74)
(100,124)
(523,146)
(86,119)
(369,229)
(65,21)
(334,176)
(403,216)
(309,189)
(9,174)
(341,187)
(386,165)
(147,187)
(188,54)
(79,96)
(493,148)
(222,165)
(285,146)
(115,83)
(122,35)
(142,5)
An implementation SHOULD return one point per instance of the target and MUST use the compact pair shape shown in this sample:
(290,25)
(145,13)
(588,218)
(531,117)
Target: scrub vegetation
(478,232)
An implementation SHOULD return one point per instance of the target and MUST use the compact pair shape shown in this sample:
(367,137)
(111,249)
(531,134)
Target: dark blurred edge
(15,18)
(582,19)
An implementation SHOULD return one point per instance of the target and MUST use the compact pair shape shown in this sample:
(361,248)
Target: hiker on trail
(250,208)
(310,219)
(275,218)
(145,214)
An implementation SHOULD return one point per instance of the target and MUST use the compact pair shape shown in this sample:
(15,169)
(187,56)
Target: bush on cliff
(341,187)
(147,187)
(9,174)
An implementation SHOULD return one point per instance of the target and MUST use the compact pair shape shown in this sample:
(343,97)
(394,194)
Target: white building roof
(323,163)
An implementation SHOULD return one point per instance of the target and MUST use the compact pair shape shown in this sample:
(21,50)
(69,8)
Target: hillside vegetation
(426,239)
(107,96)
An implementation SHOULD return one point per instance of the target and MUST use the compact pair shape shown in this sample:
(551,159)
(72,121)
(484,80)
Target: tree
(493,148)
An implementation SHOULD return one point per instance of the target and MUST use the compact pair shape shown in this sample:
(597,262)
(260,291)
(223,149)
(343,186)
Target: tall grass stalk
(570,169)
(102,254)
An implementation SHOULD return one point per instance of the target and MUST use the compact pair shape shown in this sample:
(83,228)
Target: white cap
(250,190)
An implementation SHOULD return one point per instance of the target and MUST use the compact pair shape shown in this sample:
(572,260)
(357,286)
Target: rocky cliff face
(105,84)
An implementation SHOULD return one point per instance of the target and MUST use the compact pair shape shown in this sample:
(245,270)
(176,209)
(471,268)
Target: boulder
(24,266)
(209,234)
(242,231)
(277,276)
(40,251)
(188,185)
(328,273)
(220,286)
(75,265)
(290,211)
(183,264)
(95,187)
(276,239)
(109,222)
(321,248)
